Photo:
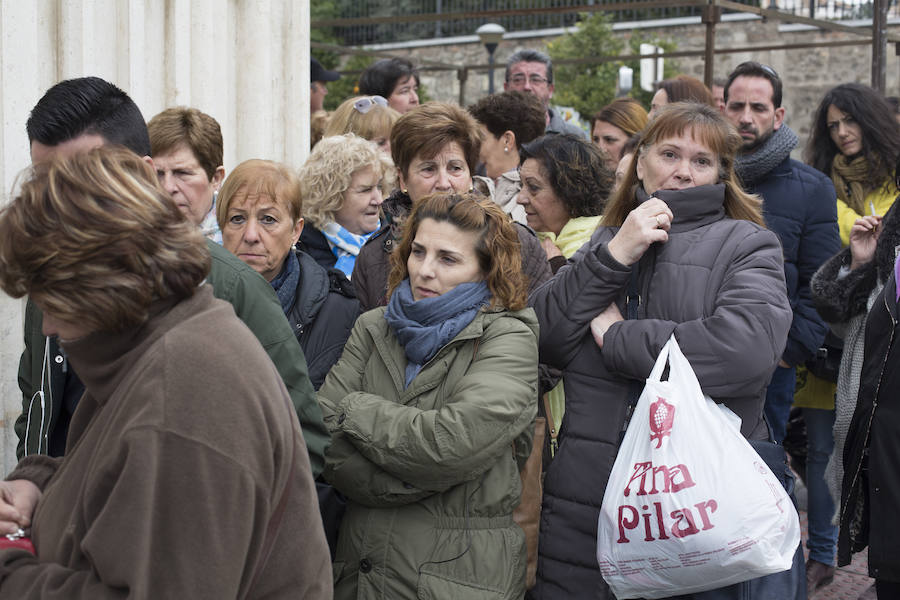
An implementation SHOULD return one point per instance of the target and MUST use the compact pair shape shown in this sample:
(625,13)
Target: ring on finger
(659,220)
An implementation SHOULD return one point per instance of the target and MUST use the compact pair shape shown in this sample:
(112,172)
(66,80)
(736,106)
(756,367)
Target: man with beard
(799,205)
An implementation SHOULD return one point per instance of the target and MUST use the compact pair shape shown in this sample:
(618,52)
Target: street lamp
(490,35)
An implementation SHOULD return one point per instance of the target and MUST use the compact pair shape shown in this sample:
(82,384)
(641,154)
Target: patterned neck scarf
(345,245)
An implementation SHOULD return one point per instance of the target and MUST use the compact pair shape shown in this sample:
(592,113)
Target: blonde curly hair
(328,171)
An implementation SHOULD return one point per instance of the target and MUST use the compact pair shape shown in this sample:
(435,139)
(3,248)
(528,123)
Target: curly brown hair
(519,112)
(93,239)
(575,169)
(498,251)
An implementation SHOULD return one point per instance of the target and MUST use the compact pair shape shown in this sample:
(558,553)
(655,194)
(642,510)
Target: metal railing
(363,22)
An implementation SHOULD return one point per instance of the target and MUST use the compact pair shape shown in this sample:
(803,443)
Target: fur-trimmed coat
(844,298)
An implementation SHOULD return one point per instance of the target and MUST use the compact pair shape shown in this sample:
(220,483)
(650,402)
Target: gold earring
(404,190)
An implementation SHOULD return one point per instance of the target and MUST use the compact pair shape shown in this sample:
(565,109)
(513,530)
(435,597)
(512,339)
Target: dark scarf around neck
(423,327)
(286,283)
(753,166)
(691,207)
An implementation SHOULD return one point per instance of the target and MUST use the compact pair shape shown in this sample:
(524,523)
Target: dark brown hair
(519,112)
(498,250)
(575,169)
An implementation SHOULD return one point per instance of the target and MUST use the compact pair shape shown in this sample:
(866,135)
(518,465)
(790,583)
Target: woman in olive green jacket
(430,410)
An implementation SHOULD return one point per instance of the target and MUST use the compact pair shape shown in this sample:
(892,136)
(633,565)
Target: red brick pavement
(850,581)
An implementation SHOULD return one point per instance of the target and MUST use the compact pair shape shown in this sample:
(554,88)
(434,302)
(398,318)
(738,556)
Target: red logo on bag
(662,414)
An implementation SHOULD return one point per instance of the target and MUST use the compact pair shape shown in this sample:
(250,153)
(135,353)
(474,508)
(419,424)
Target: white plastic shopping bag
(689,505)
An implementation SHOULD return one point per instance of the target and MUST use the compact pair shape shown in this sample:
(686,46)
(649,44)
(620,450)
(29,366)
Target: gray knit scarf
(755,165)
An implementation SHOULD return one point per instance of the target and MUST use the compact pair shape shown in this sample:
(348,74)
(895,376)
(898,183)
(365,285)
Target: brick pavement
(850,581)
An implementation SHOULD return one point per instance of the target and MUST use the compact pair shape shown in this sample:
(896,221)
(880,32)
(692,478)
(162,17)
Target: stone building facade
(807,73)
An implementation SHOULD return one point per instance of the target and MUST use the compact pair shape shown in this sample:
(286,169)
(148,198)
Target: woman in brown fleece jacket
(185,473)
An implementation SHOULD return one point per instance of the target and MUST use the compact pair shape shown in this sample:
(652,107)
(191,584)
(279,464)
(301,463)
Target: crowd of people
(412,357)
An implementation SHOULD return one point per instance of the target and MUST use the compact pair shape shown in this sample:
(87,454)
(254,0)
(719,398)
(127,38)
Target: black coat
(313,242)
(322,315)
(872,495)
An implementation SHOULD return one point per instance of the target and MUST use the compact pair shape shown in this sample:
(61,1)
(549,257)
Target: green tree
(324,9)
(589,87)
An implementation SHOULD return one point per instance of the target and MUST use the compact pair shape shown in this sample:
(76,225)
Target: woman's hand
(18,499)
(550,249)
(863,239)
(602,322)
(646,224)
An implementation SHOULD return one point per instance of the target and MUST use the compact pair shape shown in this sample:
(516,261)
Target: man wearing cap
(318,77)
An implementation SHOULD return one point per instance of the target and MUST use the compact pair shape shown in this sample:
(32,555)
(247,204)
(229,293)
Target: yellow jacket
(881,198)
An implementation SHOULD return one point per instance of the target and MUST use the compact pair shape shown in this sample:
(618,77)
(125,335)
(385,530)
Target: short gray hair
(528,55)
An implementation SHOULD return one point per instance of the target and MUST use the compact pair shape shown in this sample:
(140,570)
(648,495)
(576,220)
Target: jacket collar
(312,288)
(693,207)
(394,356)
(103,359)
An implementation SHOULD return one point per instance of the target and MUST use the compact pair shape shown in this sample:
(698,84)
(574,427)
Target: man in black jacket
(799,205)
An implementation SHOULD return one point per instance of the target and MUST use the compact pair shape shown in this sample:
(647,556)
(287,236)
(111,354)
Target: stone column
(245,62)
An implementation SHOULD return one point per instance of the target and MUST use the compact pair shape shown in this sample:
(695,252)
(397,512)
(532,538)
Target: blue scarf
(424,327)
(345,245)
(286,283)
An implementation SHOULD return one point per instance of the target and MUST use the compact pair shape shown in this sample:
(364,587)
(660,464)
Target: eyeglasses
(535,80)
(364,105)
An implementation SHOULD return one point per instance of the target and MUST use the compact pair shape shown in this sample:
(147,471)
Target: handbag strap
(632,303)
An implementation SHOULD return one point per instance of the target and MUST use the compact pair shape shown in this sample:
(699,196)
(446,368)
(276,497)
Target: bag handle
(664,357)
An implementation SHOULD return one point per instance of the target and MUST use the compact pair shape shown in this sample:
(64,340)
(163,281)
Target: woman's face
(543,209)
(497,154)
(405,95)
(677,163)
(360,210)
(610,139)
(660,99)
(442,256)
(845,132)
(447,171)
(259,230)
(180,174)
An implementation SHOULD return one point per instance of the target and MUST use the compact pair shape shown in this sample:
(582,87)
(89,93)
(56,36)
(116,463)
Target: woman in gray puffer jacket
(707,271)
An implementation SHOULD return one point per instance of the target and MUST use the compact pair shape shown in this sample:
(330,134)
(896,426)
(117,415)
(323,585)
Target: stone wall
(807,73)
